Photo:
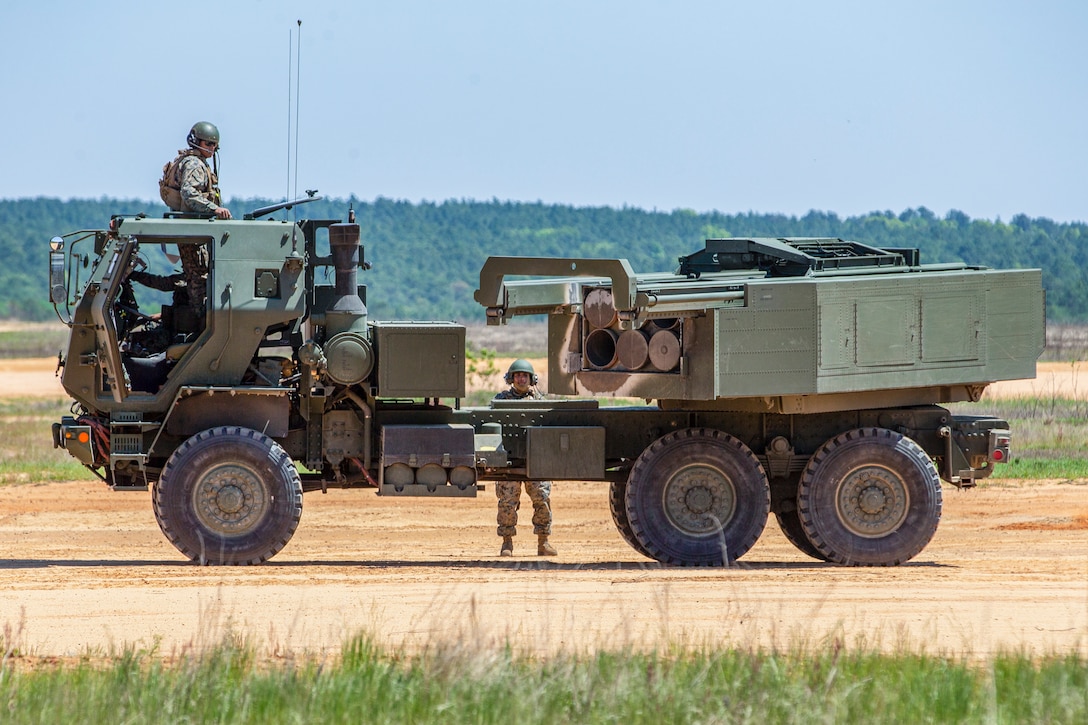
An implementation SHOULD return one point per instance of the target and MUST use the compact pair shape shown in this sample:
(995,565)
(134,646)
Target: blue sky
(782,107)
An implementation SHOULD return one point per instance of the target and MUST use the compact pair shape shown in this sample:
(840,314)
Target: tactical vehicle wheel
(229,495)
(870,497)
(617,494)
(697,497)
(790,523)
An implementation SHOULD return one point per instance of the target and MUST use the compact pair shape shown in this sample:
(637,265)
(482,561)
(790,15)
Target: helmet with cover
(521,365)
(202,131)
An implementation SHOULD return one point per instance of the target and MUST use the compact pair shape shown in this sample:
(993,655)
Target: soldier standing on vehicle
(523,380)
(189,184)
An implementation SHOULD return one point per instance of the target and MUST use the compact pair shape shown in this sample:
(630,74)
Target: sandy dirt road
(86,571)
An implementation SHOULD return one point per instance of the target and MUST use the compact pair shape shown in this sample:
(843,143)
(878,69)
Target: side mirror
(58,288)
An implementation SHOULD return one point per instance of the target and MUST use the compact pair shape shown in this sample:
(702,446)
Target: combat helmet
(202,131)
(521,365)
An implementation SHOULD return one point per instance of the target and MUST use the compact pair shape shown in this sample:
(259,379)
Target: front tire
(870,497)
(229,495)
(697,497)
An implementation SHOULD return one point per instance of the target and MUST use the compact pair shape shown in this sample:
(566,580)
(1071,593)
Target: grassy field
(458,683)
(1049,435)
(26,442)
(31,339)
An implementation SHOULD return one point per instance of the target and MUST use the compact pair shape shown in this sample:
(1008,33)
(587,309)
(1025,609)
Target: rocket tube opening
(600,349)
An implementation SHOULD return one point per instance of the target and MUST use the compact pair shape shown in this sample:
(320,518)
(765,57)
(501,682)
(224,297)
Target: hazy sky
(769,106)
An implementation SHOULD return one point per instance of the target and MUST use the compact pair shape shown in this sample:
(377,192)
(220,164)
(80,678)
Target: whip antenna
(298,84)
(290,58)
(294,51)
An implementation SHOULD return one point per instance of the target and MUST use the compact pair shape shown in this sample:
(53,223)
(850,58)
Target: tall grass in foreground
(462,685)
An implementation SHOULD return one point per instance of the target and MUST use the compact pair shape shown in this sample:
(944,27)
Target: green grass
(1036,465)
(461,684)
(1049,435)
(26,442)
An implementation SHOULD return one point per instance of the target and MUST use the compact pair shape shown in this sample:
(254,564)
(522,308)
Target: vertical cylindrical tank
(347,311)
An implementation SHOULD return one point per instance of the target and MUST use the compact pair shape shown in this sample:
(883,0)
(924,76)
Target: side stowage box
(571,453)
(419,359)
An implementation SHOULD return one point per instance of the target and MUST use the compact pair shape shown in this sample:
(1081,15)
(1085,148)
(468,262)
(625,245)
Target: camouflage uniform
(198,184)
(194,268)
(509,492)
(193,187)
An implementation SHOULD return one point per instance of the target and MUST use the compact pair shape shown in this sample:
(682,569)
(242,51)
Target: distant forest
(426,257)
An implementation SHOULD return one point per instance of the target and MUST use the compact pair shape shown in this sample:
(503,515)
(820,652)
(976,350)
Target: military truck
(803,377)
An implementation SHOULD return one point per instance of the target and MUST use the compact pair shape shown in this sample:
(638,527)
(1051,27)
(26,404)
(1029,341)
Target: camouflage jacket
(189,184)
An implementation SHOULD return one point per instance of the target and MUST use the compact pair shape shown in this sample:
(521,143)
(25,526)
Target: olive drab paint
(803,378)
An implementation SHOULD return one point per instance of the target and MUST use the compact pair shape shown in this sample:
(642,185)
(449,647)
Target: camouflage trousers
(194,270)
(509,493)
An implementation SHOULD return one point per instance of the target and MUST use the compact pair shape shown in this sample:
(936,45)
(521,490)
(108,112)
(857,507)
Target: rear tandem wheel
(869,497)
(790,524)
(617,496)
(697,496)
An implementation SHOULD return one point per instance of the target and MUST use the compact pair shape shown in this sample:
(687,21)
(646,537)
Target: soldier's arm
(166,283)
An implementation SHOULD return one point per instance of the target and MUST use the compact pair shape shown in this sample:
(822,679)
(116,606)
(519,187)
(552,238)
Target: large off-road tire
(697,497)
(790,524)
(870,497)
(229,495)
(617,495)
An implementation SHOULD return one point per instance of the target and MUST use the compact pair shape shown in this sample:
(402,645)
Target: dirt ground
(84,570)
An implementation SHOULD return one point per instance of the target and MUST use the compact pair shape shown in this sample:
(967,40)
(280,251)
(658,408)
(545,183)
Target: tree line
(426,256)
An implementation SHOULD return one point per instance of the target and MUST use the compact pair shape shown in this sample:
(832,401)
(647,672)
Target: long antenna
(290,57)
(298,88)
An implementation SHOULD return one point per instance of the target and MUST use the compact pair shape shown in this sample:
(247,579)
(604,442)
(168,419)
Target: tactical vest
(170,184)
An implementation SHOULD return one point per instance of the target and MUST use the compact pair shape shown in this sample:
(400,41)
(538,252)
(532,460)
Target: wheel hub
(230,500)
(699,499)
(873,501)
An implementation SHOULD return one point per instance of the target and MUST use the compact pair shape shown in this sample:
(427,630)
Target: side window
(151,287)
(157,319)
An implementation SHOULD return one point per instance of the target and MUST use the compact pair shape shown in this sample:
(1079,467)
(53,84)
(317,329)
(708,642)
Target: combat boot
(543,548)
(507,546)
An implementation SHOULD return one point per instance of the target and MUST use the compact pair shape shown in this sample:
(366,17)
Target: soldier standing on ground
(522,379)
(188,184)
